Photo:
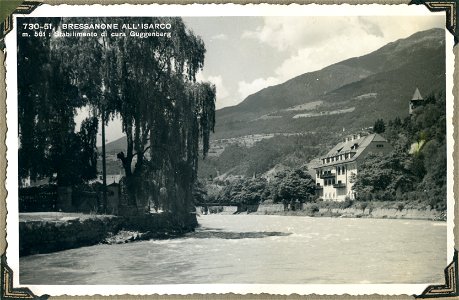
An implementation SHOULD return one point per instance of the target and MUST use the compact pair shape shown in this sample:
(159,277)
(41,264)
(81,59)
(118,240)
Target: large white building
(336,168)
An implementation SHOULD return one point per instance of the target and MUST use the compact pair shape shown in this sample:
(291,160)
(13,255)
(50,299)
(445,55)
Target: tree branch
(141,152)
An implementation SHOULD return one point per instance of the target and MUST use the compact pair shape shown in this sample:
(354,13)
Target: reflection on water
(259,249)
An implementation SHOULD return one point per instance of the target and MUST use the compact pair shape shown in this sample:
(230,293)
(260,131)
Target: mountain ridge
(402,63)
(377,84)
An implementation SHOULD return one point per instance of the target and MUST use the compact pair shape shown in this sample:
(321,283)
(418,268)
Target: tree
(231,192)
(47,102)
(149,83)
(164,112)
(199,193)
(416,169)
(380,176)
(88,148)
(249,191)
(379,126)
(293,185)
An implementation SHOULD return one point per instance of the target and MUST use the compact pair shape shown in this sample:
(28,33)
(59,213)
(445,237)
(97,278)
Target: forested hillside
(416,170)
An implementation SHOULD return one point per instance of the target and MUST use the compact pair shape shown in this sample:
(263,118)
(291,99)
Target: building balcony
(339,185)
(327,175)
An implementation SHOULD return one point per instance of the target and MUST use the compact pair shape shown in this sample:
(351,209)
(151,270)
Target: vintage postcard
(179,149)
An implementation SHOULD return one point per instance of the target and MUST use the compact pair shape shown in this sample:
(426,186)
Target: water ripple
(234,235)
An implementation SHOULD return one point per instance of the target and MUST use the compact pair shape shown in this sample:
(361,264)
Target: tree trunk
(104,167)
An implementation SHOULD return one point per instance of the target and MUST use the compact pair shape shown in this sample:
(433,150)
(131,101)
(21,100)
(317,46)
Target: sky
(247,54)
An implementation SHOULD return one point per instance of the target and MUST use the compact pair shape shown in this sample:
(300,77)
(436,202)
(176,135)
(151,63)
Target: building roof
(349,146)
(417,95)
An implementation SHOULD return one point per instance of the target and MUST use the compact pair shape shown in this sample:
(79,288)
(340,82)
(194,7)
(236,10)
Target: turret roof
(417,95)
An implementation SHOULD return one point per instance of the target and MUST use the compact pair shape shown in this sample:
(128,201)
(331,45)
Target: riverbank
(55,231)
(376,213)
(377,210)
(46,232)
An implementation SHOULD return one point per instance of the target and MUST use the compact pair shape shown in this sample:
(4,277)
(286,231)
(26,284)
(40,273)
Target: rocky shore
(55,231)
(377,210)
(377,213)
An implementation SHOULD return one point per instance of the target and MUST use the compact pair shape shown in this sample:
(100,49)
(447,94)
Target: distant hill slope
(354,91)
(115,146)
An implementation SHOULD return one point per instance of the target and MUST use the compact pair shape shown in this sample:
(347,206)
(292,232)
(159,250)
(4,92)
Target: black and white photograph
(260,150)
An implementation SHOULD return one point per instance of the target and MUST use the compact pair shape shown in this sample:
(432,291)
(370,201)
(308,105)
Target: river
(259,249)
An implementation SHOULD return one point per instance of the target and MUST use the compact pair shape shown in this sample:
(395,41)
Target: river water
(259,249)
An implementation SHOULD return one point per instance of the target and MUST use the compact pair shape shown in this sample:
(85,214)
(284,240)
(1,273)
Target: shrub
(312,208)
(346,203)
(363,205)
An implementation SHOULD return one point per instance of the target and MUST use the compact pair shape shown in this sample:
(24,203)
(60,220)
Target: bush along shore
(50,232)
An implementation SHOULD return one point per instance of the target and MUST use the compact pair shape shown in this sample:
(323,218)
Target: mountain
(115,146)
(298,120)
(354,92)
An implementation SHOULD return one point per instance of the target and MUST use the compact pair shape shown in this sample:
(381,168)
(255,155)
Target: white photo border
(212,10)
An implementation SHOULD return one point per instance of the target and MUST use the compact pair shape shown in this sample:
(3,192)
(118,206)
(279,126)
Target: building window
(379,146)
(328,159)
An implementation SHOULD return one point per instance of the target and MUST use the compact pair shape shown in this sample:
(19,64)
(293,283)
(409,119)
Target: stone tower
(415,101)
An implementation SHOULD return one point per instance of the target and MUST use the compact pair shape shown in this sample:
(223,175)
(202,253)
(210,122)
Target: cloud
(370,27)
(222,92)
(290,33)
(313,43)
(247,88)
(294,33)
(220,37)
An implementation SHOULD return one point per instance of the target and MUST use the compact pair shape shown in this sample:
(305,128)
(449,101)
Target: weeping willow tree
(47,102)
(148,83)
(165,114)
(174,145)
